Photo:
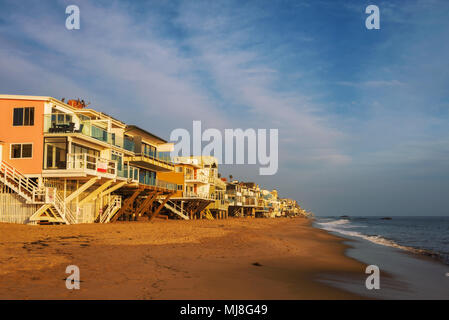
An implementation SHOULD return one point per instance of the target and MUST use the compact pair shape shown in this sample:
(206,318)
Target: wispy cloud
(351,105)
(372,83)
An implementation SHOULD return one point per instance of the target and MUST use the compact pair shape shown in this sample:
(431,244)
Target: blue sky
(362,114)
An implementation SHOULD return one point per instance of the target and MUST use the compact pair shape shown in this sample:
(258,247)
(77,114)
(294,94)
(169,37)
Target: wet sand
(199,259)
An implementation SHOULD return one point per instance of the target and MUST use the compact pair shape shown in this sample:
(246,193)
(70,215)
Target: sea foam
(343,226)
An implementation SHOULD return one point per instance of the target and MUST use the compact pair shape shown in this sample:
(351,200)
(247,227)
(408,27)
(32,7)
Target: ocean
(413,251)
(422,235)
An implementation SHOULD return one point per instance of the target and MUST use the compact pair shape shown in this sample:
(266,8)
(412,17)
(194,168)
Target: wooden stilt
(161,206)
(126,205)
(146,204)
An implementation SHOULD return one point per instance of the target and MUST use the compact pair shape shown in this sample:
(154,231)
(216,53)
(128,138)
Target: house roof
(134,128)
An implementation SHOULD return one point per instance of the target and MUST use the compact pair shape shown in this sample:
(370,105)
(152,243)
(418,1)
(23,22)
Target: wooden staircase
(21,185)
(208,215)
(173,207)
(53,209)
(111,209)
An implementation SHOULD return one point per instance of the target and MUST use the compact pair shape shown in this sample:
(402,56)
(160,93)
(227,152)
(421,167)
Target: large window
(147,177)
(91,157)
(117,157)
(61,118)
(78,149)
(23,116)
(149,150)
(21,151)
(55,153)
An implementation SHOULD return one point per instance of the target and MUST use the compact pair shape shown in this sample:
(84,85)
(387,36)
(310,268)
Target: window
(78,151)
(21,151)
(23,116)
(149,150)
(27,150)
(117,157)
(55,153)
(179,187)
(61,118)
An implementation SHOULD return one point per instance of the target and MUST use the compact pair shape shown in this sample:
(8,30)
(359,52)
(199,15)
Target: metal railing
(114,205)
(202,195)
(91,164)
(166,185)
(179,210)
(63,209)
(196,178)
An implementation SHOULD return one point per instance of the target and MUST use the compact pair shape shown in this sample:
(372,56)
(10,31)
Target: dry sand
(197,259)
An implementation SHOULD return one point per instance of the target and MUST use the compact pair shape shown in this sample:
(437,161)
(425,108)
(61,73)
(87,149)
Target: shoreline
(383,242)
(405,274)
(221,259)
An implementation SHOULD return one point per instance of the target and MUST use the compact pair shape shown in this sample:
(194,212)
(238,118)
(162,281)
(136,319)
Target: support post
(161,206)
(146,204)
(126,204)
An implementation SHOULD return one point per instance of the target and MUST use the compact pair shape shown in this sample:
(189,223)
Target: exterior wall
(10,134)
(173,177)
(14,210)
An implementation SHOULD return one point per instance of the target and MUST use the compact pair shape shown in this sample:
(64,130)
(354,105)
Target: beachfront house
(197,194)
(67,163)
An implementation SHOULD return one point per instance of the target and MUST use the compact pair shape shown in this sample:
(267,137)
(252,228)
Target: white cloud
(372,83)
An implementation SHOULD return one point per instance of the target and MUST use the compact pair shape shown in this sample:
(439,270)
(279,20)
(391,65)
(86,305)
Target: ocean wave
(343,223)
(341,226)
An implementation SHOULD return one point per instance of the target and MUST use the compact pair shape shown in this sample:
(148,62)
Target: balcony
(92,165)
(199,195)
(198,178)
(83,165)
(58,123)
(166,185)
(153,160)
(220,204)
(129,172)
(251,202)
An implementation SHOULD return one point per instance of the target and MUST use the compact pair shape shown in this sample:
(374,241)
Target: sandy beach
(199,259)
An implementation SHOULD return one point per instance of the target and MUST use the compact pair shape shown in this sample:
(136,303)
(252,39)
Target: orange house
(21,133)
(72,164)
(175,178)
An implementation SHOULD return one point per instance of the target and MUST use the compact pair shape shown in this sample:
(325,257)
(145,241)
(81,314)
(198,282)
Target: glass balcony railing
(128,172)
(166,185)
(159,183)
(66,123)
(160,156)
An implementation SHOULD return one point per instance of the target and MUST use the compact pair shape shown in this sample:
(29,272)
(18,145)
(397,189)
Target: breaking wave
(343,226)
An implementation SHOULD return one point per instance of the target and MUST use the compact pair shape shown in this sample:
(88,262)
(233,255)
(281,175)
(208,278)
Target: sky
(362,114)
